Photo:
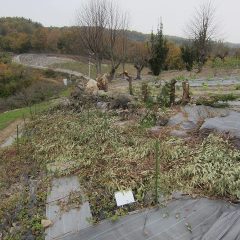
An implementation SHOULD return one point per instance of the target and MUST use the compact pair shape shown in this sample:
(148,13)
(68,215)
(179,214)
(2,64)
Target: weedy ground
(21,208)
(107,158)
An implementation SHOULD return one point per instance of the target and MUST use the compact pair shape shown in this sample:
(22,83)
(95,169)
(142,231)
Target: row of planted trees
(101,32)
(202,45)
(103,28)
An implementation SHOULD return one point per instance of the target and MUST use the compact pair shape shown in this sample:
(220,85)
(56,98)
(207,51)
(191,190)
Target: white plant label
(124,198)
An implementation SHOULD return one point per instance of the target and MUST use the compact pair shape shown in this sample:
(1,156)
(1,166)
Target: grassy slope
(108,158)
(10,116)
(83,68)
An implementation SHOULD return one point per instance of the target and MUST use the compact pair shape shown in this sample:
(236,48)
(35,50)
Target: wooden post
(156,171)
(17,139)
(172,92)
(129,79)
(186,92)
(145,91)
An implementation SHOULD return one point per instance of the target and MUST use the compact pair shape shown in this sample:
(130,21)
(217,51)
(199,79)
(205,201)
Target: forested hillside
(23,35)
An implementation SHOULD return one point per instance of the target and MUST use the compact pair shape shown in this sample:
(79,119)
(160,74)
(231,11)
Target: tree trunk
(130,86)
(129,79)
(139,70)
(123,67)
(186,92)
(172,92)
(112,74)
(99,65)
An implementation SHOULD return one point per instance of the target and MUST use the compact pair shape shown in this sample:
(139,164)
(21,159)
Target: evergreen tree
(188,55)
(159,51)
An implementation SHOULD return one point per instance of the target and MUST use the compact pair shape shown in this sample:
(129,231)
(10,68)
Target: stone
(191,116)
(78,90)
(121,101)
(91,87)
(102,82)
(161,120)
(225,124)
(188,125)
(46,223)
(199,113)
(177,119)
(102,106)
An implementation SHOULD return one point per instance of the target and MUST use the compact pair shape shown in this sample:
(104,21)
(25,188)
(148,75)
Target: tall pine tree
(159,51)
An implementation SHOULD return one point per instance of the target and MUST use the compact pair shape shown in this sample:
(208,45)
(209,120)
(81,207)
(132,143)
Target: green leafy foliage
(106,158)
(13,78)
(188,56)
(211,168)
(164,96)
(228,63)
(215,100)
(5,58)
(159,51)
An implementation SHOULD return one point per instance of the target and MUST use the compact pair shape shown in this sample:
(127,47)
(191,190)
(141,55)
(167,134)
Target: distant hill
(20,35)
(10,25)
(141,37)
(233,45)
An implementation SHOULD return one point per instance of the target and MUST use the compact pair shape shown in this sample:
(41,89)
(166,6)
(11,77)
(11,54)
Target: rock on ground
(205,118)
(91,87)
(226,124)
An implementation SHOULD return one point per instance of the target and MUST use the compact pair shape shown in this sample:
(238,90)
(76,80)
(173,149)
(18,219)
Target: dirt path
(9,131)
(43,61)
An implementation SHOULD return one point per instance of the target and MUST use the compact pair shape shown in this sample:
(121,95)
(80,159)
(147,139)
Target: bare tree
(220,50)
(101,24)
(124,40)
(202,30)
(117,24)
(92,21)
(140,58)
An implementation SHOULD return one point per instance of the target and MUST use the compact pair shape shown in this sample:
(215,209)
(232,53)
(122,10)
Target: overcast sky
(144,14)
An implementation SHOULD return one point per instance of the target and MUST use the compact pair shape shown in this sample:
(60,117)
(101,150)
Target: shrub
(149,120)
(238,87)
(159,51)
(5,58)
(214,100)
(188,56)
(164,96)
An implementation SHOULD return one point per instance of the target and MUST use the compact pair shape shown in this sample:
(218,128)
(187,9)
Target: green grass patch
(237,87)
(217,100)
(8,117)
(84,68)
(229,63)
(81,67)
